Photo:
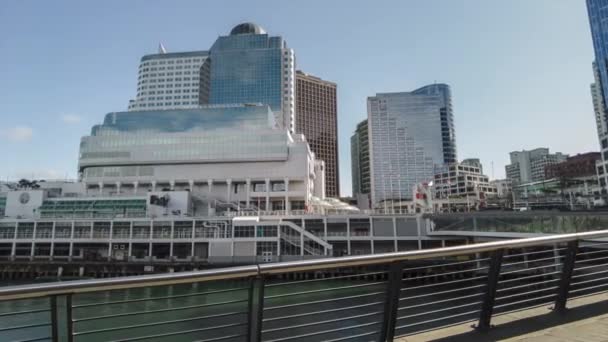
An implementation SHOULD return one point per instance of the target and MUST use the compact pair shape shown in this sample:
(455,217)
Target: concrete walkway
(585,321)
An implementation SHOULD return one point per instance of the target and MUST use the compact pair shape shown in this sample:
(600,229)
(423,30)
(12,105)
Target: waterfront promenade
(585,321)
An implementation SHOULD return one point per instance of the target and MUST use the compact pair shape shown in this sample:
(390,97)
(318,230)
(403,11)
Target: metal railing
(357,298)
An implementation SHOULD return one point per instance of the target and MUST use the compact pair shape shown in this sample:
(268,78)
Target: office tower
(529,166)
(249,66)
(359,150)
(168,80)
(410,133)
(598,20)
(317,119)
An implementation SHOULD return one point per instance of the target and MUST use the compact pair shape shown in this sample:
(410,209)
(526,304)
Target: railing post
(487,306)
(68,318)
(256,309)
(391,305)
(566,277)
(54,330)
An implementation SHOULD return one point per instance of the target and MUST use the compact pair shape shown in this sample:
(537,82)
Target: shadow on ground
(530,325)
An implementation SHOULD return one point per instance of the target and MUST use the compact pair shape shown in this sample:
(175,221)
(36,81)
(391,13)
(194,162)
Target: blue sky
(519,70)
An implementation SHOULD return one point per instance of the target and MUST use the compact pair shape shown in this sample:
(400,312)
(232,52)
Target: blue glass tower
(249,66)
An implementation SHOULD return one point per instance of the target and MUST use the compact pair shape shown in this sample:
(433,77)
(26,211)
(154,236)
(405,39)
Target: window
(243,231)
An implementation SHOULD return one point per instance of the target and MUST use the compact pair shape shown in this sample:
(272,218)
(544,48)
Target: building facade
(463,180)
(598,20)
(168,80)
(503,187)
(410,133)
(529,166)
(249,66)
(317,119)
(359,149)
(231,155)
(580,165)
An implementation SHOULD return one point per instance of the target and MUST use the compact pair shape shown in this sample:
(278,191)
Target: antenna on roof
(161,48)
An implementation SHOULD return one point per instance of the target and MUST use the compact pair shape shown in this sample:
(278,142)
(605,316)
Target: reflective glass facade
(410,134)
(251,68)
(238,133)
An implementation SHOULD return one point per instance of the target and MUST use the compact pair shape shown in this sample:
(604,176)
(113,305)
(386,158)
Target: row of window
(161,104)
(144,70)
(176,61)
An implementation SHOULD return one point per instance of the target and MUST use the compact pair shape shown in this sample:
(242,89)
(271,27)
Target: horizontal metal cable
(526,285)
(589,260)
(23,312)
(25,326)
(588,295)
(439,301)
(588,267)
(528,292)
(221,338)
(529,277)
(588,288)
(352,336)
(437,319)
(325,290)
(322,279)
(593,244)
(439,310)
(446,273)
(159,310)
(323,301)
(530,268)
(552,250)
(159,323)
(524,301)
(323,322)
(443,292)
(588,274)
(35,339)
(533,261)
(157,298)
(592,252)
(181,332)
(322,311)
(588,281)
(322,332)
(443,283)
(448,264)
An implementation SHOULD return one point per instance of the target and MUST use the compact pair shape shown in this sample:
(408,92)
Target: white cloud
(71,118)
(18,133)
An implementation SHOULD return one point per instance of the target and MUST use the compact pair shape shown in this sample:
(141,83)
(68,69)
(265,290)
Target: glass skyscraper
(598,20)
(249,66)
(410,133)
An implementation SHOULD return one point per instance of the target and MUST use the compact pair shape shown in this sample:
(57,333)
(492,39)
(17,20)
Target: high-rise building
(249,66)
(529,166)
(410,133)
(168,80)
(317,119)
(359,150)
(464,179)
(598,20)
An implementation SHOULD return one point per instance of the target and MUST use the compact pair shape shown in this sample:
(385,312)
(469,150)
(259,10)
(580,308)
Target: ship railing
(369,297)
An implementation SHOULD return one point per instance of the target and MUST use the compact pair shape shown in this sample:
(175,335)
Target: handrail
(94,285)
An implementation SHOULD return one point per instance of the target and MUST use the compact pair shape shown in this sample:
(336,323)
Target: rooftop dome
(247,28)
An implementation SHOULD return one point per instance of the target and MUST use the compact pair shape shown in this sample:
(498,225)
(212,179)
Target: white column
(248,190)
(267,194)
(172,185)
(153,185)
(135,186)
(191,184)
(209,189)
(100,188)
(118,184)
(228,189)
(287,206)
